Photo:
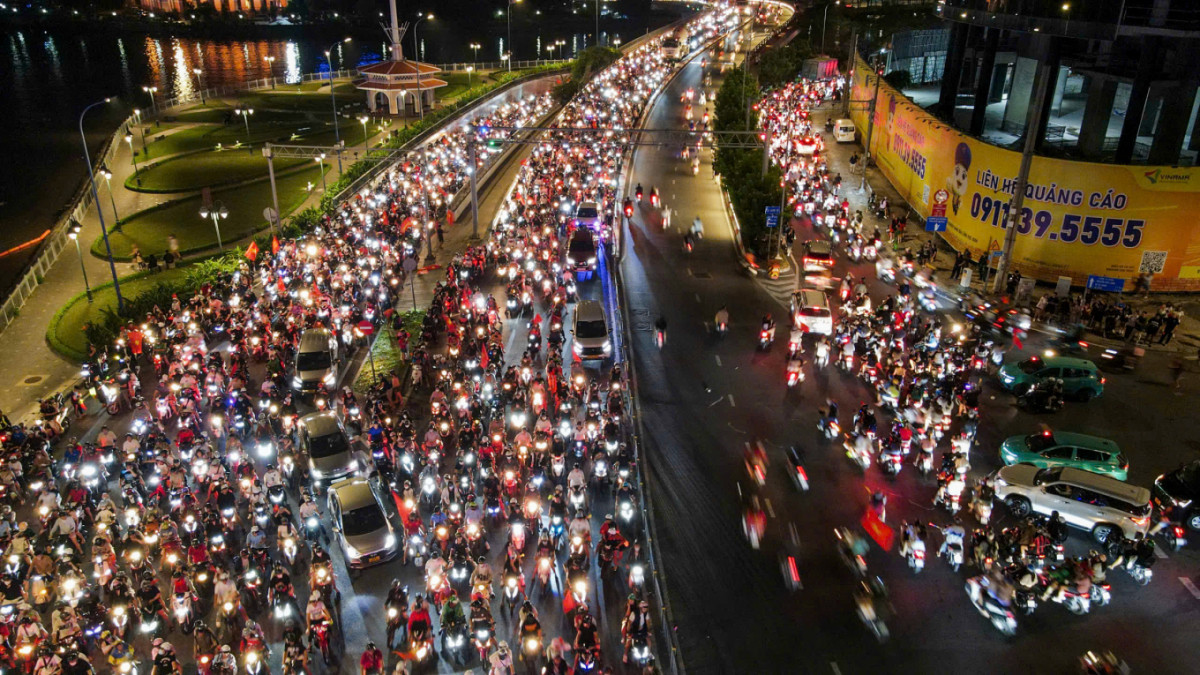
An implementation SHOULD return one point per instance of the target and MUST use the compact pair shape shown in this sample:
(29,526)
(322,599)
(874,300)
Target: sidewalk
(1187,335)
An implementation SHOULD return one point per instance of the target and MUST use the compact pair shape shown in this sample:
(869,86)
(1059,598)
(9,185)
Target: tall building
(1121,75)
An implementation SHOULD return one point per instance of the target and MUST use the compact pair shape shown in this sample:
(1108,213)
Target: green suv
(1080,377)
(1049,449)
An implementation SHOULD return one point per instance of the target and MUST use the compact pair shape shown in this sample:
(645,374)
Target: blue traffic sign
(1109,284)
(773,215)
(936,224)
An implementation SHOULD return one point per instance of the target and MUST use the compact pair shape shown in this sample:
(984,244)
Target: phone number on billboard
(1086,230)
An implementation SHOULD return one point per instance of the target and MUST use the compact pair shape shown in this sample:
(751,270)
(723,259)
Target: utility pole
(472,155)
(1033,122)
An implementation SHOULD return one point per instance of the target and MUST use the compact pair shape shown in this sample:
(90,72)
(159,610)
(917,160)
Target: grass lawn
(69,328)
(149,229)
(273,128)
(210,168)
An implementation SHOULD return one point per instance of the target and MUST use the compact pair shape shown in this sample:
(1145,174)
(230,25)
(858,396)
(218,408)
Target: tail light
(795,573)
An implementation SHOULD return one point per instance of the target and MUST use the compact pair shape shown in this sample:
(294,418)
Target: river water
(48,77)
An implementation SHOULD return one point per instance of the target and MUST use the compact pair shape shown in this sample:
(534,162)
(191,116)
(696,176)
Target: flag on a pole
(252,250)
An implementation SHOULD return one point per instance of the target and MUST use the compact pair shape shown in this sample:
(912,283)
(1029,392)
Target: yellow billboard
(1079,220)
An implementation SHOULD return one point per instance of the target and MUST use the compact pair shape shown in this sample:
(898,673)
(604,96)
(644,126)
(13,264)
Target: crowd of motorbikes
(198,520)
(925,372)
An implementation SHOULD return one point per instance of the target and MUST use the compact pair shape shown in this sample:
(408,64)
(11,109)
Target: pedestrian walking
(441,235)
(1170,323)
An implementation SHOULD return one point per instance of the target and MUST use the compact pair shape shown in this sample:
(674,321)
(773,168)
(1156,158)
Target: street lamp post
(108,180)
(199,83)
(597,36)
(74,235)
(137,112)
(475,52)
(95,198)
(508,45)
(321,162)
(333,99)
(153,102)
(217,212)
(271,69)
(421,16)
(245,113)
(824,18)
(133,153)
(364,119)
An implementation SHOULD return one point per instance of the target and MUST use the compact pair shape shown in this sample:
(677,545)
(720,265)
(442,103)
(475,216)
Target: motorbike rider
(636,624)
(953,535)
(722,318)
(768,327)
(316,612)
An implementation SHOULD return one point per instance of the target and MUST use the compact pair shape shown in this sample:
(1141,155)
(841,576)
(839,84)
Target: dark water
(48,76)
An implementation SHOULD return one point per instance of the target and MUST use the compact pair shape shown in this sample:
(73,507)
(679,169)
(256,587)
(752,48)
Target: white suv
(1089,501)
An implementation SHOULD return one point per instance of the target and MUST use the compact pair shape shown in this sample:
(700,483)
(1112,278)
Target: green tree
(780,66)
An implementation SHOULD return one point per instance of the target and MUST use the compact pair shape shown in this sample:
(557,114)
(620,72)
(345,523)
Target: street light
(74,235)
(96,198)
(133,153)
(421,16)
(364,119)
(199,83)
(321,161)
(153,102)
(217,212)
(475,48)
(333,99)
(245,113)
(271,68)
(508,15)
(108,179)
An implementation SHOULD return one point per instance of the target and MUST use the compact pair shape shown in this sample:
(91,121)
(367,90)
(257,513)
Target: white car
(810,311)
(1086,500)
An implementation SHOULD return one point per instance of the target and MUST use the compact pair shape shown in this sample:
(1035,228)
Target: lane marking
(715,402)
(770,509)
(1187,583)
(834,666)
(731,403)
(718,358)
(1158,551)
(698,300)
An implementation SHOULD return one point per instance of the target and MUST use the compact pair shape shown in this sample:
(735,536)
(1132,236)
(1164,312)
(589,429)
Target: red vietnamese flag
(252,250)
(274,245)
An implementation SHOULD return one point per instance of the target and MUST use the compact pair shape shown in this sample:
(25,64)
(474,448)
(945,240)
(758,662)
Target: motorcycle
(1000,616)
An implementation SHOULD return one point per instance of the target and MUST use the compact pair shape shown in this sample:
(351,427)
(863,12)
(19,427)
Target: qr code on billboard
(1153,262)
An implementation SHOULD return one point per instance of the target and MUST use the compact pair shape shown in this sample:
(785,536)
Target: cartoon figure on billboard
(958,182)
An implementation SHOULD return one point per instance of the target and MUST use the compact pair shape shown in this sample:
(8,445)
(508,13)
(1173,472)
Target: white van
(843,131)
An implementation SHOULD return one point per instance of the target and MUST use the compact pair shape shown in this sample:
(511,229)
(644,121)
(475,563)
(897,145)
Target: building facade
(1121,75)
